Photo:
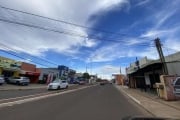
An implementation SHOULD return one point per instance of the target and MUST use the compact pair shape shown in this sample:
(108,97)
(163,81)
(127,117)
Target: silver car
(19,80)
(1,80)
(176,85)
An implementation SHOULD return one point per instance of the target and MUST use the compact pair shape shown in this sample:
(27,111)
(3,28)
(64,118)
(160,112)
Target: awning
(33,73)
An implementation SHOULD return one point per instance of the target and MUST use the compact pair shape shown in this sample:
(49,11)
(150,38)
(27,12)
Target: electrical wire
(62,21)
(60,32)
(47,61)
(18,56)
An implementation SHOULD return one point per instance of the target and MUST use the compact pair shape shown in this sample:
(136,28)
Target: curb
(163,103)
(21,89)
(135,100)
(30,88)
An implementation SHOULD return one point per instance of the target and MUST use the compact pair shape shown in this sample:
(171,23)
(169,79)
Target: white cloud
(154,33)
(142,2)
(108,4)
(106,53)
(172,46)
(38,42)
(106,71)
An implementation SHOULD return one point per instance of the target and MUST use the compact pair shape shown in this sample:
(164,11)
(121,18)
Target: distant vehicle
(19,80)
(1,80)
(176,85)
(76,82)
(103,82)
(82,82)
(57,84)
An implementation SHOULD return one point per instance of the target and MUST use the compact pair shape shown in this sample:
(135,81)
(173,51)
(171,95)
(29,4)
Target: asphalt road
(20,93)
(93,103)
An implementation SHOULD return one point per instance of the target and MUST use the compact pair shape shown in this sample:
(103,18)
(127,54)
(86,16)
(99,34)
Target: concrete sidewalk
(6,87)
(152,103)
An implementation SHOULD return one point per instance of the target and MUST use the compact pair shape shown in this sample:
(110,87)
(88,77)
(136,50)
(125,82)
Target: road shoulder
(154,107)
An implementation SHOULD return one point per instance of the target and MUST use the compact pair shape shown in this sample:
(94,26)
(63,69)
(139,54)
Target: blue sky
(126,30)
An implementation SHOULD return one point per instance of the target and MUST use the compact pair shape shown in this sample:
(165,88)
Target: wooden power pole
(161,56)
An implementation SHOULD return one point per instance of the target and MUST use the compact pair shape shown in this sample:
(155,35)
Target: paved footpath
(152,103)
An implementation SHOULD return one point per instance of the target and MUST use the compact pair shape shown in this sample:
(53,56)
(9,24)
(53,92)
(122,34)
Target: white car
(176,85)
(57,84)
(1,80)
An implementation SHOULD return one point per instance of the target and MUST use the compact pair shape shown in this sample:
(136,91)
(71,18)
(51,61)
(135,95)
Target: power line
(62,21)
(170,48)
(60,32)
(47,61)
(21,57)
(65,22)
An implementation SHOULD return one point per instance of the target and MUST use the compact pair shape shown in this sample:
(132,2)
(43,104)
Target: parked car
(1,80)
(57,84)
(82,82)
(19,80)
(176,85)
(76,82)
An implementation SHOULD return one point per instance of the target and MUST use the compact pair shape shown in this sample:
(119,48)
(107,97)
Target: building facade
(63,71)
(119,79)
(48,74)
(30,71)
(147,72)
(9,67)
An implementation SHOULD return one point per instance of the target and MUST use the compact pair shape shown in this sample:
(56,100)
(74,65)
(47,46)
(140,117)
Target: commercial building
(119,79)
(146,72)
(30,71)
(48,74)
(9,67)
(71,75)
(63,71)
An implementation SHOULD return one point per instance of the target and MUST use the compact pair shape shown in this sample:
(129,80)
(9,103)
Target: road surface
(20,93)
(92,103)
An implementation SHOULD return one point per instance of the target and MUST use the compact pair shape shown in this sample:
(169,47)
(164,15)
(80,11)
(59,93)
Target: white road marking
(133,98)
(24,96)
(40,97)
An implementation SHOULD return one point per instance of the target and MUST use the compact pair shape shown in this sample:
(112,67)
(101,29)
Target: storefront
(30,71)
(48,74)
(9,67)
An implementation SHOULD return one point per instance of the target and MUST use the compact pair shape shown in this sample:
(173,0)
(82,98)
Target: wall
(119,79)
(47,71)
(28,67)
(173,68)
(173,63)
(9,63)
(147,79)
(167,92)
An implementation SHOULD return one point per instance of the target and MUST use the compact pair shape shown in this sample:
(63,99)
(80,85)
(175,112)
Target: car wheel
(17,83)
(59,88)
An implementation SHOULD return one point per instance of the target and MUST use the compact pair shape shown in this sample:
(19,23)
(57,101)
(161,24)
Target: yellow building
(9,67)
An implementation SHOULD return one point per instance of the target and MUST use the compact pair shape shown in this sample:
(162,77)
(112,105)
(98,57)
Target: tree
(86,75)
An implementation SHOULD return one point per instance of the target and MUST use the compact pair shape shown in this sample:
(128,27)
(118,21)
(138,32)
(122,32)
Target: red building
(30,71)
(119,79)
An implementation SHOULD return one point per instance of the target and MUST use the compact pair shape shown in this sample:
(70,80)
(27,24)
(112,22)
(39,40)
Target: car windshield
(56,81)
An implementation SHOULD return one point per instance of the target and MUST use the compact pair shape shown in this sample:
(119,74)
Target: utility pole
(120,70)
(160,52)
(86,68)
